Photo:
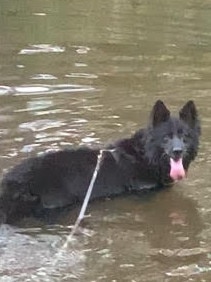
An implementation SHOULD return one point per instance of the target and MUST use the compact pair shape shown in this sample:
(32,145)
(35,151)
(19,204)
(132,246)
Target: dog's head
(174,140)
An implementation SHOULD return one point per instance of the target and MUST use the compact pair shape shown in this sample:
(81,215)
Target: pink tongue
(177,170)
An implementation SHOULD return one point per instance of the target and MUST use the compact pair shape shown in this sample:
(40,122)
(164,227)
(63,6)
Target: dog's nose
(177,152)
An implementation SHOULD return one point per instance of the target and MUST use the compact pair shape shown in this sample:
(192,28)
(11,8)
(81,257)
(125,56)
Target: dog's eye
(169,135)
(165,138)
(188,135)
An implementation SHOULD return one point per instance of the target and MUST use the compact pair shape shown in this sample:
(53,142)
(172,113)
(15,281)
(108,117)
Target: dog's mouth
(177,171)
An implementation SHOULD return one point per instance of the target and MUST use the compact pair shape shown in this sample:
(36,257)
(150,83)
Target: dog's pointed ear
(159,113)
(189,114)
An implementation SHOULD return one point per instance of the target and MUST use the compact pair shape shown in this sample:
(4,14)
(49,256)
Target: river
(85,73)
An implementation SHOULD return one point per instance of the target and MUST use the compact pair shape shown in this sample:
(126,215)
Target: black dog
(153,157)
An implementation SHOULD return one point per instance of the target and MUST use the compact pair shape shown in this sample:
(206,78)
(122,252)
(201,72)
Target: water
(88,72)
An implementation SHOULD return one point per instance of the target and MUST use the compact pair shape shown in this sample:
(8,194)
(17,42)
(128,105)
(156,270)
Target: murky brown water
(76,72)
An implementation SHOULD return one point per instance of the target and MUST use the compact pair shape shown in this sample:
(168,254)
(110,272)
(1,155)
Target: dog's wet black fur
(61,178)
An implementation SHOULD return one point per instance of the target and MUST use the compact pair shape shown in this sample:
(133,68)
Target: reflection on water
(43,89)
(147,233)
(41,48)
(88,72)
(41,125)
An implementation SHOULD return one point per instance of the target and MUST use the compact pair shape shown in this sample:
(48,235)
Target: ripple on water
(38,89)
(81,49)
(41,125)
(188,270)
(41,48)
(180,252)
(18,263)
(82,75)
(44,76)
(5,90)
(27,89)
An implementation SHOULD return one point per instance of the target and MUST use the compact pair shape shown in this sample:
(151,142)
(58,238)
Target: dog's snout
(178,147)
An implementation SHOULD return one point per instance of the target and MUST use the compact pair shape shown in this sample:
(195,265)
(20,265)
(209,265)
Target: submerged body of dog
(153,157)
